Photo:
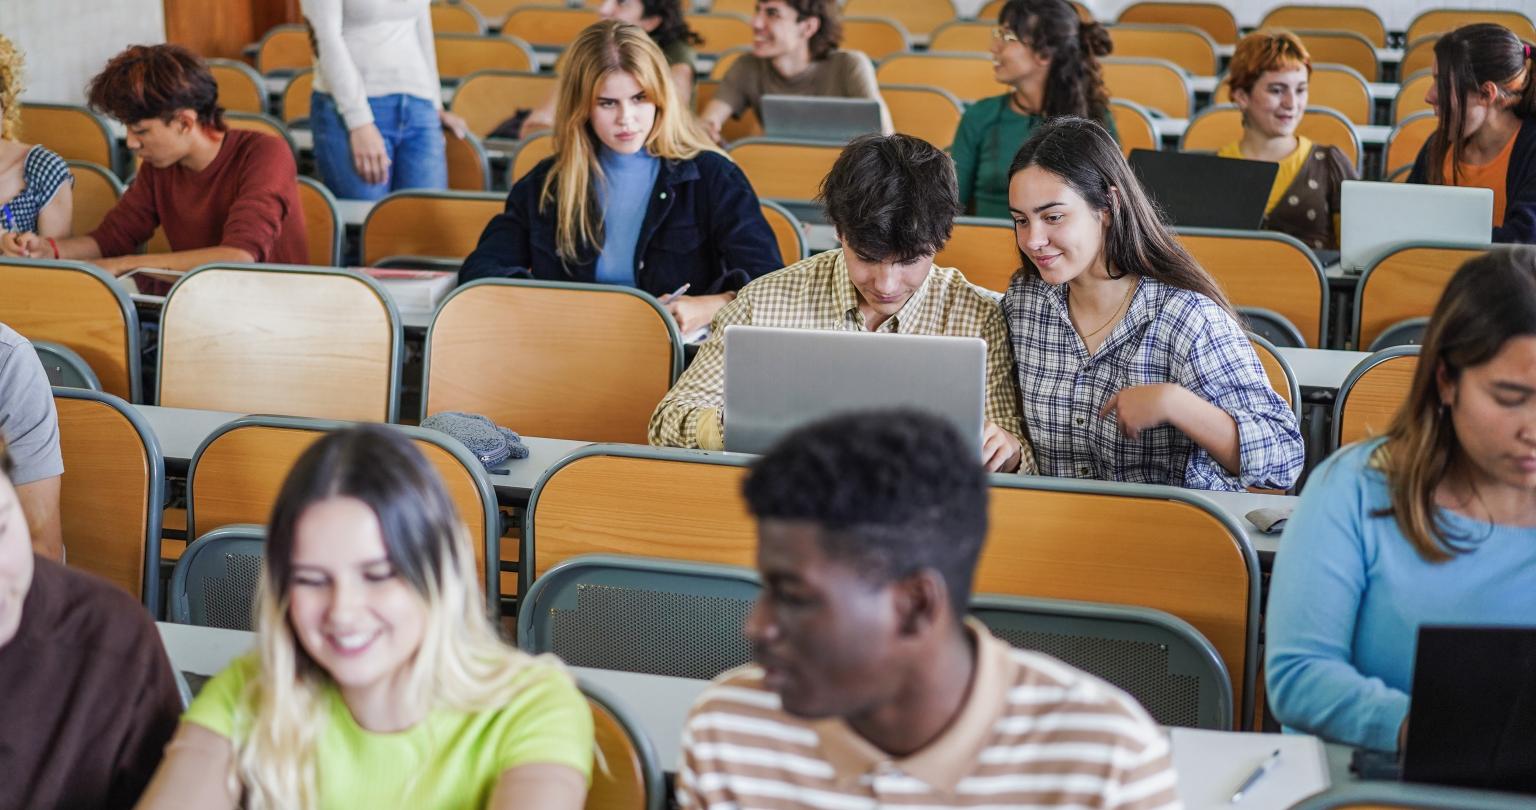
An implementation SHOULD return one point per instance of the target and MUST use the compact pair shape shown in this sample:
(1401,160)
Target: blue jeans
(413,138)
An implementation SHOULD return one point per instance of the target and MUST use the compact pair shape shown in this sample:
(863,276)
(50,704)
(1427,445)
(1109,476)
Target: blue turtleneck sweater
(623,196)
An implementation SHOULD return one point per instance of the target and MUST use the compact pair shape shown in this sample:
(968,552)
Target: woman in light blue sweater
(1434,523)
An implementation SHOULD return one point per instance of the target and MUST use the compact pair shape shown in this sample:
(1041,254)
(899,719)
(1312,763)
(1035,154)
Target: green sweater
(990,134)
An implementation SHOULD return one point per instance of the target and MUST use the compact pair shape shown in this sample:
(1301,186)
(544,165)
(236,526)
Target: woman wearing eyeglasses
(1048,58)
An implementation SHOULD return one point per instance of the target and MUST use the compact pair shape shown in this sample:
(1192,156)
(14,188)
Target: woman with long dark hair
(1131,364)
(1433,523)
(1048,58)
(1485,96)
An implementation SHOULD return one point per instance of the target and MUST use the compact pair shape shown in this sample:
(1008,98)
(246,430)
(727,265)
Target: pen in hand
(1253,778)
(671,296)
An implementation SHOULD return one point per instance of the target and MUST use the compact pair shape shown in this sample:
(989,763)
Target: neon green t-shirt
(449,760)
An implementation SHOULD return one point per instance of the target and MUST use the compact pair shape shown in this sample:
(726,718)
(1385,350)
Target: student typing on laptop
(1434,523)
(893,200)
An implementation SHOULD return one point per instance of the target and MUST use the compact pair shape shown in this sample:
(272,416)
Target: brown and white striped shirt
(1034,733)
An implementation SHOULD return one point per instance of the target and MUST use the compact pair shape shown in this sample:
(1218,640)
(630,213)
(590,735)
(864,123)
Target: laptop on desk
(779,379)
(1204,191)
(1375,216)
(819,118)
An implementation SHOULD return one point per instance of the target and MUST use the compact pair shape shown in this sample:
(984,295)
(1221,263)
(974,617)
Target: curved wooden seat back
(724,61)
(293,341)
(721,31)
(1410,97)
(459,55)
(782,169)
(111,493)
(296,96)
(786,232)
(1218,126)
(923,112)
(1214,19)
(1408,138)
(238,472)
(1419,55)
(286,48)
(96,191)
(265,124)
(240,88)
(1133,124)
(963,36)
(446,224)
(1156,84)
(918,16)
(74,133)
(488,97)
(533,149)
(1368,402)
(1150,551)
(1358,19)
(876,37)
(322,222)
(1276,370)
(456,18)
(985,250)
(547,26)
(1405,283)
(79,306)
(967,75)
(506,349)
(1264,269)
(469,168)
(1184,45)
(1345,48)
(734,129)
(495,12)
(1442,20)
(621,783)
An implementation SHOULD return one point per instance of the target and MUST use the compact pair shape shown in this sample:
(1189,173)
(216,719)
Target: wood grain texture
(621,784)
(510,353)
(1187,49)
(1407,139)
(988,255)
(877,38)
(533,150)
(1410,100)
(968,76)
(784,171)
(720,32)
(786,234)
(237,93)
(1375,398)
(545,25)
(96,191)
(1135,130)
(459,55)
(965,37)
(919,17)
(1269,273)
(296,96)
(455,18)
(1156,87)
(1360,20)
(1342,48)
(1274,370)
(1406,284)
(73,308)
(1439,21)
(321,222)
(428,224)
(922,113)
(286,48)
(490,98)
(104,499)
(72,133)
(1212,18)
(1419,55)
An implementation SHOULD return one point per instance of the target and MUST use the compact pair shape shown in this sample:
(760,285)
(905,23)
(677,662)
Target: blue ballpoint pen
(10,224)
(1253,778)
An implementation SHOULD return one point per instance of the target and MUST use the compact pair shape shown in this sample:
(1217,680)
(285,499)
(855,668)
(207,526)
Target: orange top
(1490,175)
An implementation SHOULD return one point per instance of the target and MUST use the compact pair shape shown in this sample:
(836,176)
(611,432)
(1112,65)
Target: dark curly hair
(893,492)
(1052,29)
(154,81)
(672,27)
(892,197)
(829,35)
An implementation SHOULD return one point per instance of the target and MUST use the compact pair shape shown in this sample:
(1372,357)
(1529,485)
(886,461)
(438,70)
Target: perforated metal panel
(227,600)
(655,632)
(1140,668)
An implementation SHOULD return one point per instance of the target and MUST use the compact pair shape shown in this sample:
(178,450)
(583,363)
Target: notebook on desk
(1204,191)
(1213,764)
(1375,216)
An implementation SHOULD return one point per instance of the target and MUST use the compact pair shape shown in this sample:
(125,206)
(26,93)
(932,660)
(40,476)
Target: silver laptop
(779,379)
(1374,216)
(819,118)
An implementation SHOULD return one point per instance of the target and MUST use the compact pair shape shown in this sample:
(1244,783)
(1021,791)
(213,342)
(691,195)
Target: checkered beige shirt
(816,293)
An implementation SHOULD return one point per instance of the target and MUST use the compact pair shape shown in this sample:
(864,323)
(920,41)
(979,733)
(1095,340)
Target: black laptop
(1205,191)
(1472,719)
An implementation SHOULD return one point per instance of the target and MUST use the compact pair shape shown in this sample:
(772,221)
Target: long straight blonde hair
(599,50)
(461,664)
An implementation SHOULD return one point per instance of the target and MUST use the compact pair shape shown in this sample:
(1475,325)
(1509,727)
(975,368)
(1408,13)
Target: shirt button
(663,195)
(1081,420)
(1082,470)
(642,264)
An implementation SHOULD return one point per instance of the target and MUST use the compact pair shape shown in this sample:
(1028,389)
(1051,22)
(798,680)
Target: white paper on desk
(1212,764)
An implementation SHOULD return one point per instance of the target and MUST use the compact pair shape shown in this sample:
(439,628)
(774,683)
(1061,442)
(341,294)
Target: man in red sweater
(221,195)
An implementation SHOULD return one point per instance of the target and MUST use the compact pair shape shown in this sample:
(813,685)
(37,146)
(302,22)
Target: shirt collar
(846,298)
(945,761)
(1143,308)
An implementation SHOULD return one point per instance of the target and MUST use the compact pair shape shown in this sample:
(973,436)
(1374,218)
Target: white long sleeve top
(372,48)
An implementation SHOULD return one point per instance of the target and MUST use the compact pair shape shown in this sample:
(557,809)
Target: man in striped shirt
(870,688)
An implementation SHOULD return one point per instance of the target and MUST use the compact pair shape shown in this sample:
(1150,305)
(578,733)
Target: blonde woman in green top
(1048,58)
(378,679)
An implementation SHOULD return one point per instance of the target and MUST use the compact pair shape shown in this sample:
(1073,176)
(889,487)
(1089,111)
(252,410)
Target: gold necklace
(1128,293)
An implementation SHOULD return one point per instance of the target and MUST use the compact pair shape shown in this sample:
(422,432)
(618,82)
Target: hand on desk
(694,312)
(25,245)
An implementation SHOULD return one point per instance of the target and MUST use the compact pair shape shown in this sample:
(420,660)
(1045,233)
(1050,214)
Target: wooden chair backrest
(876,37)
(724,61)
(1367,406)
(786,233)
(487,98)
(1442,20)
(1156,84)
(96,191)
(459,55)
(1134,126)
(297,342)
(265,124)
(240,88)
(456,18)
(923,112)
(322,223)
(620,785)
(74,133)
(1185,46)
(1216,127)
(784,170)
(495,12)
(1342,48)
(285,47)
(237,476)
(296,96)
(1408,138)
(918,16)
(1331,87)
(967,75)
(107,496)
(548,26)
(963,36)
(428,223)
(1359,19)
(1406,283)
(721,32)
(1410,97)
(1214,19)
(1259,269)
(1419,55)
(507,350)
(734,129)
(533,149)
(1275,372)
(746,7)
(987,252)
(468,167)
(87,312)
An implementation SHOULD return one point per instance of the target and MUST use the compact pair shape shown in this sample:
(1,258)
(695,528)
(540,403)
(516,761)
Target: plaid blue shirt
(1168,335)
